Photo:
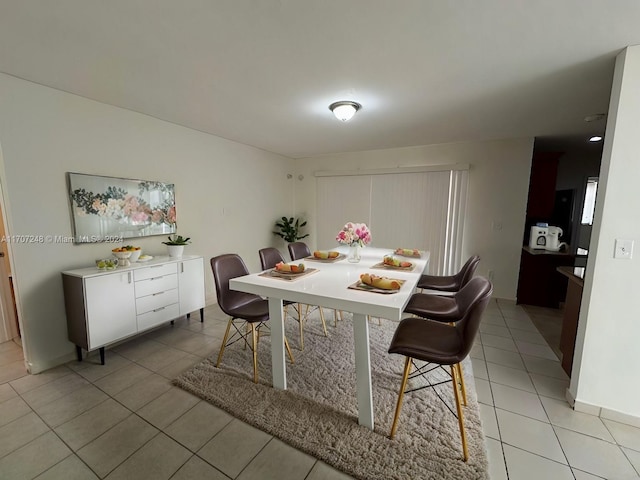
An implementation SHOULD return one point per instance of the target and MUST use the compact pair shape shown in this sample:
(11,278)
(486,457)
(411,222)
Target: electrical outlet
(624,249)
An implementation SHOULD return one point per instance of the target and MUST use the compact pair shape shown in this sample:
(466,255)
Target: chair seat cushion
(434,307)
(254,311)
(428,341)
(442,284)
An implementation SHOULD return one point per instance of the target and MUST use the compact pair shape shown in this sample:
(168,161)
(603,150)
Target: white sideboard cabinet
(104,307)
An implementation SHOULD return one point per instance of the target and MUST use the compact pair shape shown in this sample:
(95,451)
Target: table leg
(276,320)
(363,370)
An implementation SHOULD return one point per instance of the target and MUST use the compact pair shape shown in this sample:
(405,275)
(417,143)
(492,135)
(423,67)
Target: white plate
(393,267)
(145,258)
(288,274)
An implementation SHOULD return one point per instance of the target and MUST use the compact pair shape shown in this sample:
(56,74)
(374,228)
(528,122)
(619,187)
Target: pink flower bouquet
(354,234)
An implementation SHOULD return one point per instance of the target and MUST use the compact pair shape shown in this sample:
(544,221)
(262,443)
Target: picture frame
(108,209)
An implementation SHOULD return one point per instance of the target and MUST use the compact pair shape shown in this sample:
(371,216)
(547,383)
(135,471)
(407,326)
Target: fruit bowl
(122,256)
(107,264)
(135,252)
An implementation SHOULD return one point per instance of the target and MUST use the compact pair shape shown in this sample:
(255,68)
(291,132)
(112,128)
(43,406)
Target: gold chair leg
(340,313)
(405,376)
(254,343)
(335,317)
(248,329)
(456,394)
(379,321)
(286,344)
(224,341)
(463,389)
(301,322)
(324,324)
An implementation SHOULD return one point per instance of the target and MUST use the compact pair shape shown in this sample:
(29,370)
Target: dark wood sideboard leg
(101,355)
(79,353)
(202,315)
(188,316)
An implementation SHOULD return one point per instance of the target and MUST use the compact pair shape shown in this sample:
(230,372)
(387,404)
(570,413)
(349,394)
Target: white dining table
(328,287)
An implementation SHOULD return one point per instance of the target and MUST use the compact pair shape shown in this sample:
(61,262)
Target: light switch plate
(624,249)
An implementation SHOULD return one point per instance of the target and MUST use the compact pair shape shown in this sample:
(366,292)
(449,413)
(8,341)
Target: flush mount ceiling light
(344,110)
(595,138)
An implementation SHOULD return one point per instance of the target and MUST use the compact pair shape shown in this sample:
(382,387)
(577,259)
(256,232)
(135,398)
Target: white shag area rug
(317,414)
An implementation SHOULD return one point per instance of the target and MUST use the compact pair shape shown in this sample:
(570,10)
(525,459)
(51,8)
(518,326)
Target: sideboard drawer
(155,271)
(157,316)
(156,285)
(156,300)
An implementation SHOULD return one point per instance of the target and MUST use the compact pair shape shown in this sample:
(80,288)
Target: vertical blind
(417,209)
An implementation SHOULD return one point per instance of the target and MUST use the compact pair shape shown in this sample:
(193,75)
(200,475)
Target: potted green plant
(290,229)
(176,244)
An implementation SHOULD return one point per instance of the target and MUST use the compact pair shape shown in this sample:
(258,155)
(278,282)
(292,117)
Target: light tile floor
(125,420)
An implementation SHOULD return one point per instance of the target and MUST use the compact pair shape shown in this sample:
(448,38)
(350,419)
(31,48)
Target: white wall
(606,362)
(498,187)
(228,195)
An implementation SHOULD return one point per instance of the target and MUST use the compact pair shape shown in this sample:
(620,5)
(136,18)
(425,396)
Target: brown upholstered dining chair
(441,344)
(441,308)
(247,307)
(269,257)
(298,251)
(450,283)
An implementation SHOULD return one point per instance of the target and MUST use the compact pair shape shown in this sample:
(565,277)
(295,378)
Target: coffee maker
(553,239)
(538,236)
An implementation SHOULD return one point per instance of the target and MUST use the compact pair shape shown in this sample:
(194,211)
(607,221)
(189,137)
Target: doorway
(9,323)
(10,326)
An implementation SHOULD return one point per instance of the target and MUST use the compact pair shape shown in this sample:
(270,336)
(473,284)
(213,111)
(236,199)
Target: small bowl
(107,263)
(135,255)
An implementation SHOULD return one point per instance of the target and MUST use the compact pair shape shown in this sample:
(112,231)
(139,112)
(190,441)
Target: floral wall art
(107,209)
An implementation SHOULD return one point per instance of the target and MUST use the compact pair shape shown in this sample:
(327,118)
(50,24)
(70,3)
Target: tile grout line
(495,413)
(620,446)
(51,429)
(547,415)
(555,427)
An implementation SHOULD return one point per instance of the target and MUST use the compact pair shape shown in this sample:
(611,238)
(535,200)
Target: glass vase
(354,253)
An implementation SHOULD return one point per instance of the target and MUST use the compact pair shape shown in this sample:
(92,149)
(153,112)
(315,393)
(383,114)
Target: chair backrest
(472,300)
(298,250)
(269,257)
(467,271)
(225,267)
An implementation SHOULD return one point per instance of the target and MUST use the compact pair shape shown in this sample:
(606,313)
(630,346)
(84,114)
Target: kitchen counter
(574,274)
(538,282)
(539,251)
(571,314)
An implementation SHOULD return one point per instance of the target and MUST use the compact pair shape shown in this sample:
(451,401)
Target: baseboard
(620,417)
(602,412)
(38,367)
(506,299)
(584,407)
(568,396)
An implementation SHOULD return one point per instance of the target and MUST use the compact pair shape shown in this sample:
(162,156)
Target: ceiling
(264,72)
